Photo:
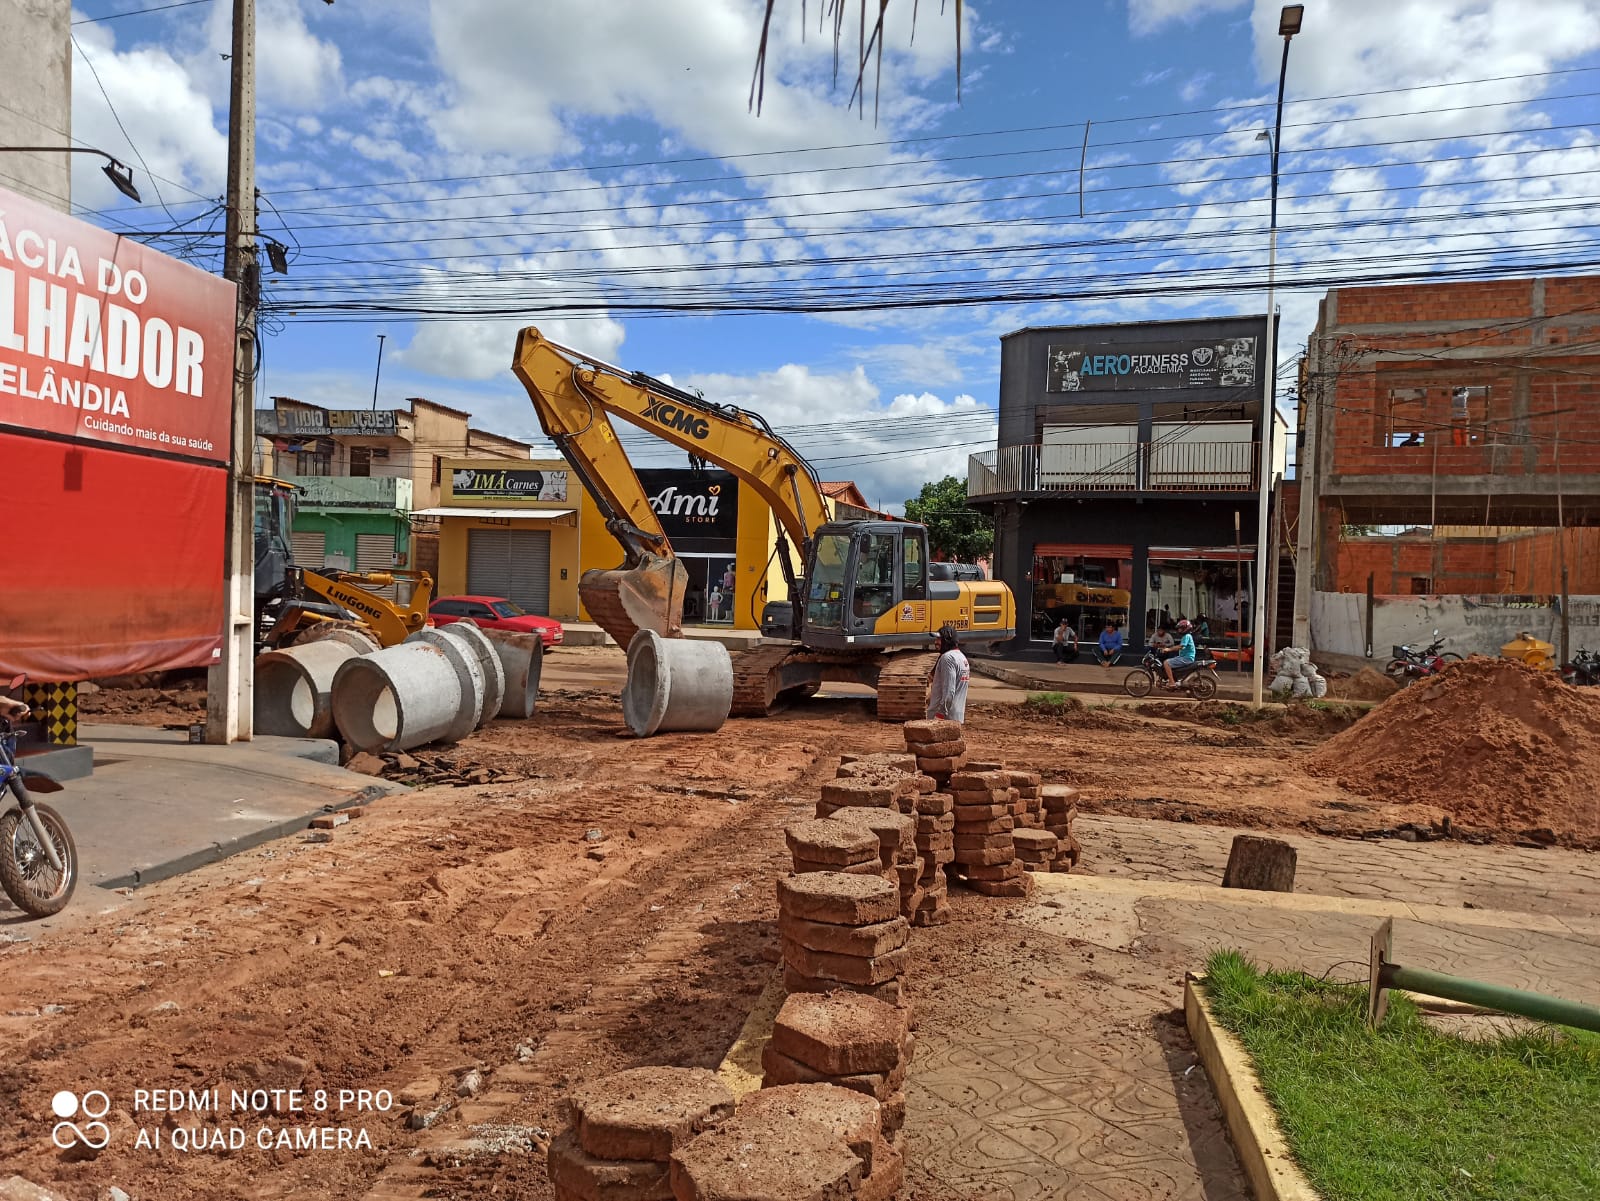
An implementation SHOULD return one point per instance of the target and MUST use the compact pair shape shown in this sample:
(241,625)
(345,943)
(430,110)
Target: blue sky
(592,168)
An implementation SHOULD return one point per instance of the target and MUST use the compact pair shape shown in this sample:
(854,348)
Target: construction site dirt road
(473,952)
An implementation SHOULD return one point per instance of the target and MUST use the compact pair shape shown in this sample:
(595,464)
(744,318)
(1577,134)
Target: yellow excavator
(292,602)
(865,609)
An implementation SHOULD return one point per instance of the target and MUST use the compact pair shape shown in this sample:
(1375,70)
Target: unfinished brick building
(1441,405)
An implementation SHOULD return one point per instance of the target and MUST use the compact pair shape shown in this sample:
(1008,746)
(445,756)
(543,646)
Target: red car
(495,613)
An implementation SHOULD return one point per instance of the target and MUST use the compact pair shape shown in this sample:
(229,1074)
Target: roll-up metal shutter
(510,563)
(375,552)
(309,548)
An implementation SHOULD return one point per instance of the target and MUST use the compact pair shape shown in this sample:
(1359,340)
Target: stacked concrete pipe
(294,685)
(399,697)
(521,660)
(676,684)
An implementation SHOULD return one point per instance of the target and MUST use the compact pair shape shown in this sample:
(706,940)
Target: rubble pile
(842,930)
(842,1038)
(626,1128)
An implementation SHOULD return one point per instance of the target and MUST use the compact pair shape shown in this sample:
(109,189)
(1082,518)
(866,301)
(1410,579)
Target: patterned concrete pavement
(1052,1058)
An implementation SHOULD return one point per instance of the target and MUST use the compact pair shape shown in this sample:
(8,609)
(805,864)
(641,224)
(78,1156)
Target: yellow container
(1530,650)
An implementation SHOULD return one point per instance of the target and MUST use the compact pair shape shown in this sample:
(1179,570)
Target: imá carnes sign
(103,339)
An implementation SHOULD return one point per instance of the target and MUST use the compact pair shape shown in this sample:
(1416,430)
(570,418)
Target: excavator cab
(867,585)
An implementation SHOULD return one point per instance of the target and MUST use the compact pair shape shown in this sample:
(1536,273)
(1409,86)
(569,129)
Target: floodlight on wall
(120,175)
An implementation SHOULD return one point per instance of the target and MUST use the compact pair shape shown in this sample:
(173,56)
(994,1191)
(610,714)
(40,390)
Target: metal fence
(1169,466)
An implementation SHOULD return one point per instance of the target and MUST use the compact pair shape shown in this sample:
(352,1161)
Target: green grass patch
(1407,1112)
(1053,703)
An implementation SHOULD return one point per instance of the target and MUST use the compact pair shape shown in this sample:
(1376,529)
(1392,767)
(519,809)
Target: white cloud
(1151,16)
(167,117)
(482,350)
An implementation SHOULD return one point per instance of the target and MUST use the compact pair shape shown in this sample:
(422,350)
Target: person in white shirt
(1065,644)
(947,697)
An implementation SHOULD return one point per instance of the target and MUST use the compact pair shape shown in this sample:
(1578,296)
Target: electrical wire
(139,12)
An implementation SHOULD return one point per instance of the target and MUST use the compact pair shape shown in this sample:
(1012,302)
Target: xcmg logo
(676,418)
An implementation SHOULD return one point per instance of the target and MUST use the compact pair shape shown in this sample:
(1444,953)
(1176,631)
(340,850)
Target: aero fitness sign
(105,340)
(1218,363)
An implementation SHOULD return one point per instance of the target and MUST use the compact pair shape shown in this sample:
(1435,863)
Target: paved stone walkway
(1052,1058)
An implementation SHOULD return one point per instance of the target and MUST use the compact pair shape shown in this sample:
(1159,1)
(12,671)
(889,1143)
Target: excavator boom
(576,396)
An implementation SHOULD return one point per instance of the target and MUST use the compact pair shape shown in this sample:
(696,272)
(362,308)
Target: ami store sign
(105,340)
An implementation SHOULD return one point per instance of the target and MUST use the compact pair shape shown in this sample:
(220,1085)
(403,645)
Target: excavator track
(903,685)
(756,679)
(766,676)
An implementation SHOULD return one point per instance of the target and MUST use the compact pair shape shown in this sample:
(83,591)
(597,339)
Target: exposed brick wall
(1389,338)
(1519,563)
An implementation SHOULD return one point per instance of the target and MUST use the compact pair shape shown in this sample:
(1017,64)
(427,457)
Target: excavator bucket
(625,600)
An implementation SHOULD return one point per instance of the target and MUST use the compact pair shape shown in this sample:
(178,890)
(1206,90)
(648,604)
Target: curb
(218,851)
(741,1069)
(1257,1138)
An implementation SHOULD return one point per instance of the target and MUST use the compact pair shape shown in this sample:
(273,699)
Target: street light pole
(1288,25)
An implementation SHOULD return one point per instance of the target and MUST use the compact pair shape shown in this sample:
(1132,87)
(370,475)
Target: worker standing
(947,698)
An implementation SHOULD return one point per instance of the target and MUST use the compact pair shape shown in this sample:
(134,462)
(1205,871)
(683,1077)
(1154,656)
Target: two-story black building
(1124,484)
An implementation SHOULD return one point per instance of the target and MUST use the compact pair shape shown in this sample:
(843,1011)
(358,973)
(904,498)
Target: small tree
(954,530)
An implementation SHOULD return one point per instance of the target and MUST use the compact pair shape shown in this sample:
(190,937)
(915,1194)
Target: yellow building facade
(527,530)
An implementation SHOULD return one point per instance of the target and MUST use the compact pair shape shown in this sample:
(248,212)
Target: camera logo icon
(93,1105)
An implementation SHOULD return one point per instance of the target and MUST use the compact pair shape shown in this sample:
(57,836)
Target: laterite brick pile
(842,931)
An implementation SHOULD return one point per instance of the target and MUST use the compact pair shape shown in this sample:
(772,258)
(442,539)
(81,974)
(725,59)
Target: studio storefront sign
(1134,367)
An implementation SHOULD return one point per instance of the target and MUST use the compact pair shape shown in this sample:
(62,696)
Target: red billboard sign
(106,340)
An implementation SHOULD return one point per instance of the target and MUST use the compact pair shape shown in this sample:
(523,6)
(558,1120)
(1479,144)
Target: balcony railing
(354,492)
(1114,467)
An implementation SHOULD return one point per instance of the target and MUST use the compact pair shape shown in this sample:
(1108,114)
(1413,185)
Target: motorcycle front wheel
(34,886)
(1139,682)
(1451,657)
(1203,685)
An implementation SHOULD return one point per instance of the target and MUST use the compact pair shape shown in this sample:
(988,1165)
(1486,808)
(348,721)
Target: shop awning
(519,514)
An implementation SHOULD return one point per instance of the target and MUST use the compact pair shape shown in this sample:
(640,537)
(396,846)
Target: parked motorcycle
(1584,670)
(38,860)
(1410,663)
(1198,679)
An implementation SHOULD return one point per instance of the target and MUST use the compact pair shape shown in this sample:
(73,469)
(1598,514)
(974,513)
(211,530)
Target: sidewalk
(158,805)
(1052,1059)
(1091,678)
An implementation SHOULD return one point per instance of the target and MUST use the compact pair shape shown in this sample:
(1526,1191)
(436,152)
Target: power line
(139,12)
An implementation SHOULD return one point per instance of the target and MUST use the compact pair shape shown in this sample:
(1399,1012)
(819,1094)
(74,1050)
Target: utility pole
(1306,523)
(230,687)
(377,374)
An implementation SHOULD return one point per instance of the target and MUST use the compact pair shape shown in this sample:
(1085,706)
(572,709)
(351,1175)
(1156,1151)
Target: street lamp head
(121,178)
(1289,20)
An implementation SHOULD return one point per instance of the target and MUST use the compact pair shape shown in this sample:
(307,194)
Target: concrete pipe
(494,675)
(397,698)
(522,658)
(469,678)
(676,684)
(356,639)
(294,688)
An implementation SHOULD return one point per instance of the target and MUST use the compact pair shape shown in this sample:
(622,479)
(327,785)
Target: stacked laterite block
(794,1142)
(985,854)
(897,848)
(899,772)
(1036,849)
(625,1129)
(828,846)
(936,846)
(1030,814)
(939,745)
(842,931)
(1060,807)
(856,1042)
(871,792)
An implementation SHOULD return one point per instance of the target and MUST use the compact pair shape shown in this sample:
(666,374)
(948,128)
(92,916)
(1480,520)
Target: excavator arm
(576,396)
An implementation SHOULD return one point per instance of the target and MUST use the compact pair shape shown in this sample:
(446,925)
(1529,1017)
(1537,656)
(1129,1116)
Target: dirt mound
(1498,745)
(1364,685)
